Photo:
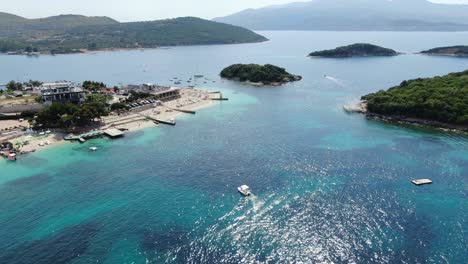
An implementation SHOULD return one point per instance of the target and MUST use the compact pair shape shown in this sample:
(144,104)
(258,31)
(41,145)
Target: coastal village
(129,107)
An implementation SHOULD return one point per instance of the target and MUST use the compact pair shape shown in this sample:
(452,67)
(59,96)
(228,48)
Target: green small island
(441,101)
(355,50)
(259,74)
(458,51)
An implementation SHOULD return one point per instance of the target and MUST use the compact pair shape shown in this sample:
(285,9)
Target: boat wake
(335,80)
(286,228)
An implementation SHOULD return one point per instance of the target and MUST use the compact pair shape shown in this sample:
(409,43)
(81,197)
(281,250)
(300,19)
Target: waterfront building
(66,92)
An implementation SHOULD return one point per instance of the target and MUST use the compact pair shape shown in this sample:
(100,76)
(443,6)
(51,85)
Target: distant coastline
(67,34)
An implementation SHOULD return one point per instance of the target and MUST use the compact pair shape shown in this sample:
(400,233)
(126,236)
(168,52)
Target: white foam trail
(335,80)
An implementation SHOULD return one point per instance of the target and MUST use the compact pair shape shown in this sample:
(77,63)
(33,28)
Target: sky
(141,10)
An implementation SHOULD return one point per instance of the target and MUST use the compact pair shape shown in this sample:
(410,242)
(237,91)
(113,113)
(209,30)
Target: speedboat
(244,190)
(93,148)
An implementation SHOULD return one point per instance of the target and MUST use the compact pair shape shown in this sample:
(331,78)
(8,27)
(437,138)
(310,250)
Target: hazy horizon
(141,10)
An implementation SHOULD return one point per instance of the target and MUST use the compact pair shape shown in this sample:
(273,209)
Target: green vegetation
(443,99)
(355,50)
(137,96)
(119,106)
(18,86)
(93,86)
(14,86)
(72,34)
(69,115)
(266,74)
(453,51)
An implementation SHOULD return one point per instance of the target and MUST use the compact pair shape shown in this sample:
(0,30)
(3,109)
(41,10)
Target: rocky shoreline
(361,108)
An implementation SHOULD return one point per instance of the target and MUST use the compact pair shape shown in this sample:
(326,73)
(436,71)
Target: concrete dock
(113,133)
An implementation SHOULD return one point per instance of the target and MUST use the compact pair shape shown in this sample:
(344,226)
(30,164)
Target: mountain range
(355,15)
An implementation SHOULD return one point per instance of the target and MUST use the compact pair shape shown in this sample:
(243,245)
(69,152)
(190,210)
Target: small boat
(12,156)
(244,190)
(421,181)
(93,148)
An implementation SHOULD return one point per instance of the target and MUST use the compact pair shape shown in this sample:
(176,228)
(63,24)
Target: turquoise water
(329,186)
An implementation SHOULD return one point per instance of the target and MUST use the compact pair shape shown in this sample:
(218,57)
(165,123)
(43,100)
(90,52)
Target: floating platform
(421,182)
(113,133)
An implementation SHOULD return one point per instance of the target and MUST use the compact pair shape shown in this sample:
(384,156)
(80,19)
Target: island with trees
(259,74)
(75,34)
(440,101)
(355,50)
(457,51)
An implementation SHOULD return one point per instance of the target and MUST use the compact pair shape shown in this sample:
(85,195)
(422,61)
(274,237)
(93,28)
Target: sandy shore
(191,100)
(38,142)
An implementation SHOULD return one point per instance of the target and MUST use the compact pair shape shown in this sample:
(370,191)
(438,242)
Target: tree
(119,106)
(70,115)
(443,99)
(14,86)
(93,86)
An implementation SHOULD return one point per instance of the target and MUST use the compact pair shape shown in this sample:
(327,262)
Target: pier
(165,122)
(184,111)
(219,97)
(85,136)
(110,132)
(113,133)
(160,121)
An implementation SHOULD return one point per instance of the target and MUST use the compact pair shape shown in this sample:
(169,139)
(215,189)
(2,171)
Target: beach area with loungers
(142,114)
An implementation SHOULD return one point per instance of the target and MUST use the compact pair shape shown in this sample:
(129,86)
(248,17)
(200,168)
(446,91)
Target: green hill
(265,74)
(10,19)
(9,22)
(355,50)
(448,51)
(71,33)
(68,21)
(443,99)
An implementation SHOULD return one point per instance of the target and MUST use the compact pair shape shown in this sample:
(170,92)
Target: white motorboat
(93,148)
(244,189)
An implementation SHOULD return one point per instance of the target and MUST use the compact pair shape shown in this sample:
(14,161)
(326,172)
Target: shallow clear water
(329,186)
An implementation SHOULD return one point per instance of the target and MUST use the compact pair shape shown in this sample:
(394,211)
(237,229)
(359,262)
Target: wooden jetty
(421,182)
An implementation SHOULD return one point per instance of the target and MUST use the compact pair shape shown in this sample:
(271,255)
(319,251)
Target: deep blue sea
(329,187)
